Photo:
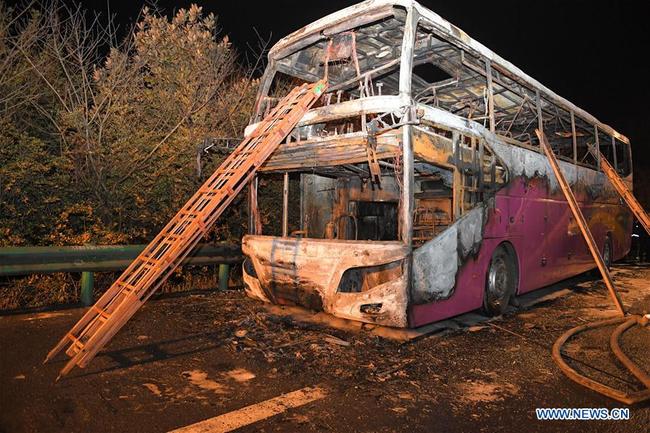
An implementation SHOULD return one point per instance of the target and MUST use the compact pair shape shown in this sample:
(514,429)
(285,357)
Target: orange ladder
(168,249)
(624,192)
(582,223)
(624,322)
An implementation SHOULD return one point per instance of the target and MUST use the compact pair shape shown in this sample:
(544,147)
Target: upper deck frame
(367,10)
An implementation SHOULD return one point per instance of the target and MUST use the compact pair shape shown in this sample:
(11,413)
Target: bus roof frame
(373,10)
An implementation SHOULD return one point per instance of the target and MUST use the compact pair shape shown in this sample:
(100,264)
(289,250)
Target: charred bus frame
(425,143)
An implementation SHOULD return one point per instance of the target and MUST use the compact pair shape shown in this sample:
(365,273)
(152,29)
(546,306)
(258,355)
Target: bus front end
(343,244)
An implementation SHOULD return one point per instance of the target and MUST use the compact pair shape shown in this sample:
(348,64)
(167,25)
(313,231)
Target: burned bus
(417,182)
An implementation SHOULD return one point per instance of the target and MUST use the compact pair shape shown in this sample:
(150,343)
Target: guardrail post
(86,295)
(224,273)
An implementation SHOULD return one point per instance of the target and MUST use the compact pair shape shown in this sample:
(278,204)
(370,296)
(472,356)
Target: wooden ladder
(179,237)
(624,192)
(582,223)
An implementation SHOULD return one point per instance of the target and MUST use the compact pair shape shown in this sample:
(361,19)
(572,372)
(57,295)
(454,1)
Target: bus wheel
(607,252)
(501,282)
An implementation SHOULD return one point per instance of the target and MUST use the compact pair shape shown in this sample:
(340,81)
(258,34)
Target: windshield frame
(320,31)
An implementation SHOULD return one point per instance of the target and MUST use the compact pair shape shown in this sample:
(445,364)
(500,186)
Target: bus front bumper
(358,280)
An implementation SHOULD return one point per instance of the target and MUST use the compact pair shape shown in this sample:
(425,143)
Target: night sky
(589,52)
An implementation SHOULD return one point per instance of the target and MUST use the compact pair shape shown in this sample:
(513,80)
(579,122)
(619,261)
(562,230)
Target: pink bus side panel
(548,244)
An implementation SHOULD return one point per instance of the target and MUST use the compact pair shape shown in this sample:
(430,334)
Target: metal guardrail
(88,259)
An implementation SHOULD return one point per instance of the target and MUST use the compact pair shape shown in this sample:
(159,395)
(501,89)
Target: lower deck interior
(346,187)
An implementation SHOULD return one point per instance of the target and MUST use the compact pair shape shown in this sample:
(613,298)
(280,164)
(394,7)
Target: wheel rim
(498,280)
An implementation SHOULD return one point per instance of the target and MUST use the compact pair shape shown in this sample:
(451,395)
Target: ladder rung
(150,260)
(172,237)
(169,245)
(147,266)
(101,313)
(207,191)
(75,341)
(202,226)
(183,216)
(127,287)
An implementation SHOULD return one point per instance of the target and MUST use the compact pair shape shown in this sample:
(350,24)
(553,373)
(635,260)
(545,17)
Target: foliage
(34,188)
(98,139)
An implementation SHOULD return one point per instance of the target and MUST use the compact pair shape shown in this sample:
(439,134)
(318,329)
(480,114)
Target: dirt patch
(240,375)
(485,392)
(200,378)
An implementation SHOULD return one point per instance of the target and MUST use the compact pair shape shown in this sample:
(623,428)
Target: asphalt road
(184,360)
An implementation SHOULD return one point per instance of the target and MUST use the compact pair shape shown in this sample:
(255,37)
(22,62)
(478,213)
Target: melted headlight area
(362,279)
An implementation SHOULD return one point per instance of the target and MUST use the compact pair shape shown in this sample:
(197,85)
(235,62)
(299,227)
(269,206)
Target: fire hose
(624,324)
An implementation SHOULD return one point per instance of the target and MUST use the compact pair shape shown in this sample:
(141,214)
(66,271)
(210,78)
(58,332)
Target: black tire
(500,281)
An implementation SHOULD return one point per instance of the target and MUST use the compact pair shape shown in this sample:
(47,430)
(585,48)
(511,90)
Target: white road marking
(255,412)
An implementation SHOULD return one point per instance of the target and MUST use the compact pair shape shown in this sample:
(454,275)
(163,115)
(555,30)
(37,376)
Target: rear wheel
(607,252)
(501,281)
(607,256)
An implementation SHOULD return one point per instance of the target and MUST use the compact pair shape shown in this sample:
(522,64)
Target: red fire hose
(625,323)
